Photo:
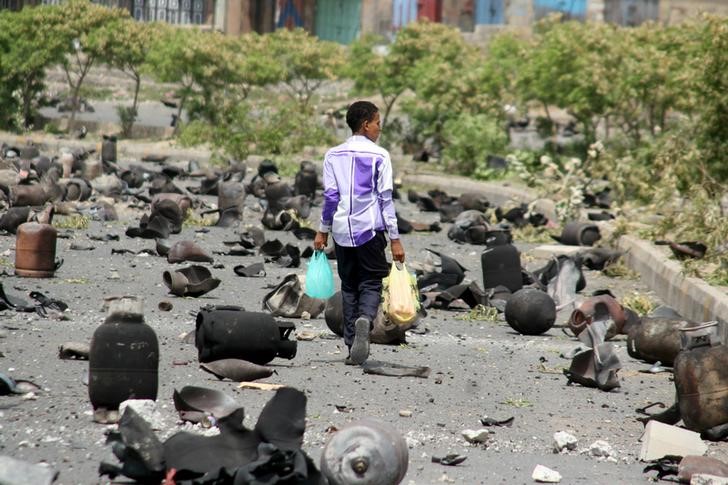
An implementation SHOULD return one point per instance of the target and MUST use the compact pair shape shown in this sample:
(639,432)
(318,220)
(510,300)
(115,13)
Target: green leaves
(305,62)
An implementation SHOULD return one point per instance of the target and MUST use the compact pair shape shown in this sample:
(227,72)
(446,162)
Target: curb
(692,297)
(498,193)
(131,148)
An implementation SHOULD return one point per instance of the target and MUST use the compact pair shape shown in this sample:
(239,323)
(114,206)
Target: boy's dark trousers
(361,269)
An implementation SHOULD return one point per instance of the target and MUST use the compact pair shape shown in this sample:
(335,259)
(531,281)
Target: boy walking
(358,209)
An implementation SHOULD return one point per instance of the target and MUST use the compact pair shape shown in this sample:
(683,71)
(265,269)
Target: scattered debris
(545,475)
(564,441)
(601,448)
(261,386)
(486,421)
(661,439)
(449,460)
(479,436)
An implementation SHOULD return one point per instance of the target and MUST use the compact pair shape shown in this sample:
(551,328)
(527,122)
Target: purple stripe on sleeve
(331,202)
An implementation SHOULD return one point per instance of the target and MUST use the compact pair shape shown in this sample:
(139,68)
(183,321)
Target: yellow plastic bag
(401,300)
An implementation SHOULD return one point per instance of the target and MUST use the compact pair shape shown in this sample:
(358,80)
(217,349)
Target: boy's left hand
(397,250)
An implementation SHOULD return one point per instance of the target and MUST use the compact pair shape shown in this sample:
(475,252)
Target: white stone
(146,409)
(476,436)
(564,441)
(660,439)
(549,250)
(705,479)
(545,475)
(601,448)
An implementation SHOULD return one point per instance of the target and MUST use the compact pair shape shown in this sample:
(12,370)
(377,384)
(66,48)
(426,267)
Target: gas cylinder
(124,357)
(108,149)
(365,452)
(656,339)
(229,332)
(701,378)
(501,262)
(35,250)
(530,311)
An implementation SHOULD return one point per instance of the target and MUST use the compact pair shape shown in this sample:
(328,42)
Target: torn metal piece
(236,370)
(74,350)
(451,459)
(137,448)
(486,421)
(394,370)
(194,404)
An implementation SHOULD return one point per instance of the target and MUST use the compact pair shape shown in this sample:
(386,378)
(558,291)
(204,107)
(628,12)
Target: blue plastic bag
(319,277)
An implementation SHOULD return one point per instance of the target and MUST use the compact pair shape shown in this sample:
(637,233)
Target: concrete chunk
(476,436)
(564,441)
(661,439)
(545,475)
(549,250)
(17,472)
(705,479)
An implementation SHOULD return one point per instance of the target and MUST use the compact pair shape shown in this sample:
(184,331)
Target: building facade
(345,20)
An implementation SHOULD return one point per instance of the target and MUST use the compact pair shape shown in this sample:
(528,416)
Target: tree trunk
(137,86)
(179,113)
(77,89)
(388,108)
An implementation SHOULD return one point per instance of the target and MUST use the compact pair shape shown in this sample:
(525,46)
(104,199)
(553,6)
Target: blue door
(572,9)
(338,20)
(403,12)
(489,12)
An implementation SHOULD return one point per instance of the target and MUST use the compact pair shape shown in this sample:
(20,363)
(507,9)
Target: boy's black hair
(358,113)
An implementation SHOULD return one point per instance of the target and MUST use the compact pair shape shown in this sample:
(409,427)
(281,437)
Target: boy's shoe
(360,347)
(348,361)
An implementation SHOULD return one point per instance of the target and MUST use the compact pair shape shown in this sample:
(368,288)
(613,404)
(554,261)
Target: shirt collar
(359,138)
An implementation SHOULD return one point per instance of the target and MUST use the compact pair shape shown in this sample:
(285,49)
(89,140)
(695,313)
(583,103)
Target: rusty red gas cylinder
(35,250)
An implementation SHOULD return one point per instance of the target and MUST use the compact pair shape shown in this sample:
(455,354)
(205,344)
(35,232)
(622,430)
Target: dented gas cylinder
(701,378)
(124,357)
(35,250)
(365,452)
(656,339)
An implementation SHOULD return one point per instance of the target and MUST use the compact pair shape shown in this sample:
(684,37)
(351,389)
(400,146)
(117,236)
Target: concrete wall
(676,11)
(376,17)
(459,13)
(519,13)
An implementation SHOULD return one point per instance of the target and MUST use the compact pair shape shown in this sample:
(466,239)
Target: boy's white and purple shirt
(358,192)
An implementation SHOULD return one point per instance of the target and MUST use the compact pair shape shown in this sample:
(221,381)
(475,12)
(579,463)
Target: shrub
(470,139)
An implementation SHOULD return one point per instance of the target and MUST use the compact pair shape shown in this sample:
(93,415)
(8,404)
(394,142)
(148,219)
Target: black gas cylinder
(229,332)
(124,357)
(108,148)
(501,262)
(530,311)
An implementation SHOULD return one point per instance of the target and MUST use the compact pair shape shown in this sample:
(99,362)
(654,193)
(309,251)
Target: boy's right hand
(320,241)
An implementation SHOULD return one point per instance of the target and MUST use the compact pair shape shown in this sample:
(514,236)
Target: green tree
(79,25)
(570,66)
(28,46)
(439,68)
(373,71)
(128,49)
(712,95)
(306,62)
(203,64)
